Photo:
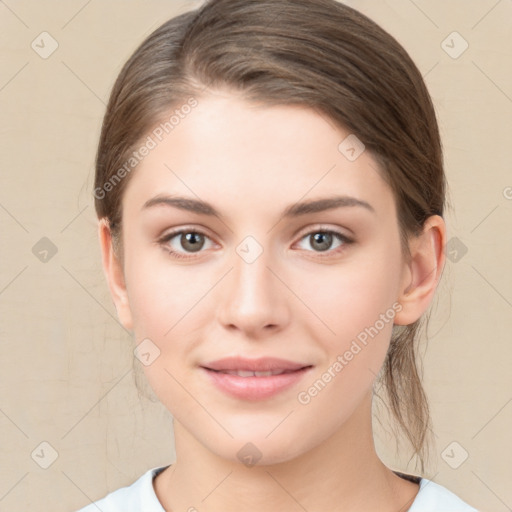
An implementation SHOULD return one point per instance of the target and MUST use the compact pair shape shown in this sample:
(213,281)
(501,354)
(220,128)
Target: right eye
(180,242)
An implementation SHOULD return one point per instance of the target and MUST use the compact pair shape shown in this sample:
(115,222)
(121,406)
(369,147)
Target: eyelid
(185,229)
(323,228)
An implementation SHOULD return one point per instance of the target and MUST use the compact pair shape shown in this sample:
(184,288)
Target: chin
(258,450)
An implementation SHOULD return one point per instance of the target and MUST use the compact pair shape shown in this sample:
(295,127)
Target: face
(264,277)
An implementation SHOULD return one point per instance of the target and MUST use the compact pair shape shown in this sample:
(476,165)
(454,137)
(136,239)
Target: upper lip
(262,364)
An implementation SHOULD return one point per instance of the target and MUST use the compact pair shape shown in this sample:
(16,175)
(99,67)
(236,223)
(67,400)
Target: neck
(343,473)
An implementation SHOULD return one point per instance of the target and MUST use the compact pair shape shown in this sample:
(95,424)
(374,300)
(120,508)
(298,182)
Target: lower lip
(255,388)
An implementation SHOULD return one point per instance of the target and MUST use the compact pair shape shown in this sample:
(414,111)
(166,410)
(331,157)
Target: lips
(254,379)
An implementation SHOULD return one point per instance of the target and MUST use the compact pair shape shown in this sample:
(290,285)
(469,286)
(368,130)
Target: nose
(254,298)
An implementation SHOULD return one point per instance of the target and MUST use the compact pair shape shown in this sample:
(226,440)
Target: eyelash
(177,255)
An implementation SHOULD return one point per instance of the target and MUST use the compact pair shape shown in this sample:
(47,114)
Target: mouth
(255,385)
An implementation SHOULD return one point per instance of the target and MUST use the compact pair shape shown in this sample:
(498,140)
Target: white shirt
(141,497)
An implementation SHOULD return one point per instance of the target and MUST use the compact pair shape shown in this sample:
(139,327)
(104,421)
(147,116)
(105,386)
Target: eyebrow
(294,210)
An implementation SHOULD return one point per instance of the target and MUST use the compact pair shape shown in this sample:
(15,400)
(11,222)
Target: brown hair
(320,54)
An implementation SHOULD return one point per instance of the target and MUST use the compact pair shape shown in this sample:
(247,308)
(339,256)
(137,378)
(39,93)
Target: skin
(294,301)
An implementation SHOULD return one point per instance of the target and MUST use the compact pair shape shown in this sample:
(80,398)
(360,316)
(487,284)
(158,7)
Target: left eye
(322,241)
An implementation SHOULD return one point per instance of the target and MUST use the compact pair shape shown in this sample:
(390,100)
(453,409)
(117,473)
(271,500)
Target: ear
(422,272)
(113,270)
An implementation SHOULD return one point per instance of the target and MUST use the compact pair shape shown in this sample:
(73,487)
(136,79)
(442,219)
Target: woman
(270,191)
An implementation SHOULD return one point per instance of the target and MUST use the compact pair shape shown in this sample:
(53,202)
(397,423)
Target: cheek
(164,305)
(356,325)
(350,297)
(169,305)
(160,293)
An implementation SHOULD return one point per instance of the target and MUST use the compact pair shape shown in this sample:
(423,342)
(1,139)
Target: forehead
(228,151)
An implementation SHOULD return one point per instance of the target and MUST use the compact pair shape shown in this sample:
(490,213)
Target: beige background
(66,364)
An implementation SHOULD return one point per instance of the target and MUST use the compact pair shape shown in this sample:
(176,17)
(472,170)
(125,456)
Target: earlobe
(423,271)
(113,270)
